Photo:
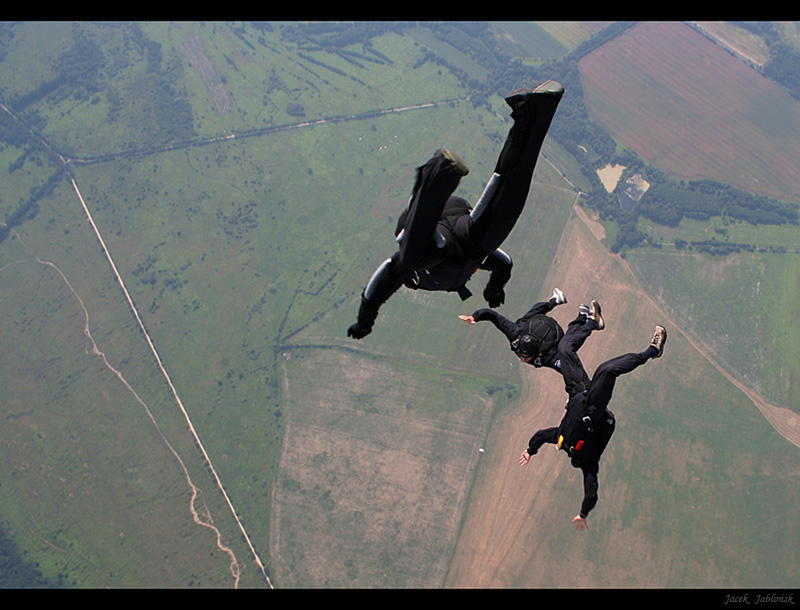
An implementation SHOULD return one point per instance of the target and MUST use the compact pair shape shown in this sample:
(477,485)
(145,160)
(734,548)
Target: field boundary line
(174,391)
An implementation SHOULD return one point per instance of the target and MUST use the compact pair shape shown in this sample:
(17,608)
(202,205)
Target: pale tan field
(372,480)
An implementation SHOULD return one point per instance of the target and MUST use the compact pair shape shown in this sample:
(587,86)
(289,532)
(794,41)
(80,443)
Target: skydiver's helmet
(527,346)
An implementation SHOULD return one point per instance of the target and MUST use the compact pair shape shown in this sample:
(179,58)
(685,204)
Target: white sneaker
(659,339)
(559,297)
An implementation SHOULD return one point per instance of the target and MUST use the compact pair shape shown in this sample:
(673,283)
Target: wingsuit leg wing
(436,181)
(504,197)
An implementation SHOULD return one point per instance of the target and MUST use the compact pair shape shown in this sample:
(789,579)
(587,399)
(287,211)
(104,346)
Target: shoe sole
(598,316)
(458,162)
(663,340)
(549,87)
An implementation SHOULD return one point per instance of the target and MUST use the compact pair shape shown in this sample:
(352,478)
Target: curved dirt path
(234,564)
(509,498)
(785,421)
(205,519)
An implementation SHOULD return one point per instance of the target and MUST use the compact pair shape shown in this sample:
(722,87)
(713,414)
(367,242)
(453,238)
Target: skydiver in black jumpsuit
(536,337)
(443,240)
(589,408)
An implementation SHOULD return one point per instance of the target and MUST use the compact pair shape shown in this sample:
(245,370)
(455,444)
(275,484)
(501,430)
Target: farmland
(219,430)
(672,96)
(672,465)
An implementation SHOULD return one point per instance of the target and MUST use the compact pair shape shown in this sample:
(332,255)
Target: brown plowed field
(692,109)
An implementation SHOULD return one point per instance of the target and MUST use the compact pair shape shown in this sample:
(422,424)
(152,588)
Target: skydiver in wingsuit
(536,337)
(588,424)
(442,239)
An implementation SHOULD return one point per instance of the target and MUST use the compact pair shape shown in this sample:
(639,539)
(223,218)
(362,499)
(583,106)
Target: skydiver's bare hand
(469,319)
(524,457)
(580,523)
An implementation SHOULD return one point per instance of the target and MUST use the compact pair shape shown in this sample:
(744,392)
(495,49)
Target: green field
(227,252)
(744,317)
(270,449)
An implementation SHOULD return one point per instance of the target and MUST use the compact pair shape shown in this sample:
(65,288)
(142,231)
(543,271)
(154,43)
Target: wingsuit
(588,424)
(442,239)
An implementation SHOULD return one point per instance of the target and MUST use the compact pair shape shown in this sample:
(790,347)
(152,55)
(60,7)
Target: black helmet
(527,346)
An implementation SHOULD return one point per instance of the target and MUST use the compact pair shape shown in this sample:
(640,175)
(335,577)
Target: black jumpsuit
(548,349)
(464,239)
(592,398)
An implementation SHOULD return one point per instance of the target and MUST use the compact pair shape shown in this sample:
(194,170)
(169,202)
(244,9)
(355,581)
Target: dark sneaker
(584,310)
(456,161)
(596,315)
(659,339)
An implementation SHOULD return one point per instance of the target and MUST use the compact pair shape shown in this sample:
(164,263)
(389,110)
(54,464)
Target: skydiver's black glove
(494,295)
(357,331)
(367,312)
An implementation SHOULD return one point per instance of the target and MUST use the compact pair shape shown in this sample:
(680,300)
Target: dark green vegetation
(667,202)
(245,178)
(784,57)
(15,573)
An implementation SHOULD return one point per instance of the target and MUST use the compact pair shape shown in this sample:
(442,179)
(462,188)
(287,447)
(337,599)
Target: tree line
(668,202)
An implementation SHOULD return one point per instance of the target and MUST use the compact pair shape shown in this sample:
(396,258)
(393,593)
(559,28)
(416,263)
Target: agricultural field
(572,33)
(689,446)
(745,45)
(758,290)
(186,240)
(674,97)
(544,40)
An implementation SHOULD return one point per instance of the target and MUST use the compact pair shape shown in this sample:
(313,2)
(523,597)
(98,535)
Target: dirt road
(511,506)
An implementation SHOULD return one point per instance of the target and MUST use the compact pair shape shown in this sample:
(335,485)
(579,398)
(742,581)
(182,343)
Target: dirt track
(507,505)
(499,535)
(785,421)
